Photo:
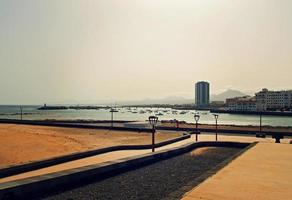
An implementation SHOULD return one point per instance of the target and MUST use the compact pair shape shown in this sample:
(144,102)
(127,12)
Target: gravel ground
(156,181)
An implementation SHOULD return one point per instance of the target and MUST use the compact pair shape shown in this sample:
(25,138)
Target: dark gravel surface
(156,181)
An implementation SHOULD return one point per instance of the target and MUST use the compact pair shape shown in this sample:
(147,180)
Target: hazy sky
(89,50)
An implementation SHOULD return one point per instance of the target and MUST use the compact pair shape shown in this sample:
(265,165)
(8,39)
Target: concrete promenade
(124,154)
(263,172)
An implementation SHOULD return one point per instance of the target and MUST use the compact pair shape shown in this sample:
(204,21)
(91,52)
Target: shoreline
(252,128)
(92,121)
(264,113)
(164,125)
(191,125)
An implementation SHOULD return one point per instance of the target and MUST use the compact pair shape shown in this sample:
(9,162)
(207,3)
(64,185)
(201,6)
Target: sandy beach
(26,143)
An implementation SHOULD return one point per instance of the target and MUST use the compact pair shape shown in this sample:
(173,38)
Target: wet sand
(25,143)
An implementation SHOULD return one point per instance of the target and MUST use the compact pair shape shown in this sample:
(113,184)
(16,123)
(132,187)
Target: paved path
(123,154)
(264,172)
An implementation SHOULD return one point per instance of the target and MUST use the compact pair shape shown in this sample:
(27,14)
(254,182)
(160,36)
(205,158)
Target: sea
(139,114)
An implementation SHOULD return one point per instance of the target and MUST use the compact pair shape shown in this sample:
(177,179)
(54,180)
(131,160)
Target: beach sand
(26,143)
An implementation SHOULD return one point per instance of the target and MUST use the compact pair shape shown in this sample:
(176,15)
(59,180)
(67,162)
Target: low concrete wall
(12,170)
(29,187)
(70,125)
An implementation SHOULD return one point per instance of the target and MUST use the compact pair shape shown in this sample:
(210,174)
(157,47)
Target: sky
(63,51)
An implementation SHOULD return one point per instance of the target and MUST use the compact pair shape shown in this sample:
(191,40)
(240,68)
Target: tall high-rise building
(202,94)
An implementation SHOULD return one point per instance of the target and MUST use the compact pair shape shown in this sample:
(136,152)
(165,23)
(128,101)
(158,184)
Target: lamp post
(112,110)
(153,121)
(216,120)
(260,123)
(197,117)
(176,123)
(20,112)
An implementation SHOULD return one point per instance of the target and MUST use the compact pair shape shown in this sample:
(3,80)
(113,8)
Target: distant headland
(45,107)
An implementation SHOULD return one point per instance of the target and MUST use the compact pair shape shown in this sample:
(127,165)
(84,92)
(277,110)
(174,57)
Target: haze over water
(63,51)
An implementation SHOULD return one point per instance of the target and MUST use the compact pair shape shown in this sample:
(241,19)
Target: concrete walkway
(264,172)
(124,154)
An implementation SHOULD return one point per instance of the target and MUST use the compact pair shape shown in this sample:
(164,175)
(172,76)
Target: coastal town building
(245,103)
(274,100)
(202,94)
(217,104)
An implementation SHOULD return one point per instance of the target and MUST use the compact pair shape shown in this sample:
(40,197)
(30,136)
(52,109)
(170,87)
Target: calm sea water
(32,113)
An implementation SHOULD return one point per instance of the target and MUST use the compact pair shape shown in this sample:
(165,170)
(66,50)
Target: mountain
(147,101)
(227,94)
(166,100)
(182,100)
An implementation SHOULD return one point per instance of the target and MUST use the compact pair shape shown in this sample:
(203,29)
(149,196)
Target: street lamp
(216,120)
(176,123)
(261,123)
(112,110)
(153,121)
(261,134)
(197,117)
(20,112)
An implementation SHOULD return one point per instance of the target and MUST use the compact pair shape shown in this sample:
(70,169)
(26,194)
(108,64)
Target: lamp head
(216,116)
(153,120)
(197,117)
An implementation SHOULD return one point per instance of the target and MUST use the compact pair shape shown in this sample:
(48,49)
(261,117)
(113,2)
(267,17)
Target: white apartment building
(245,103)
(273,100)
